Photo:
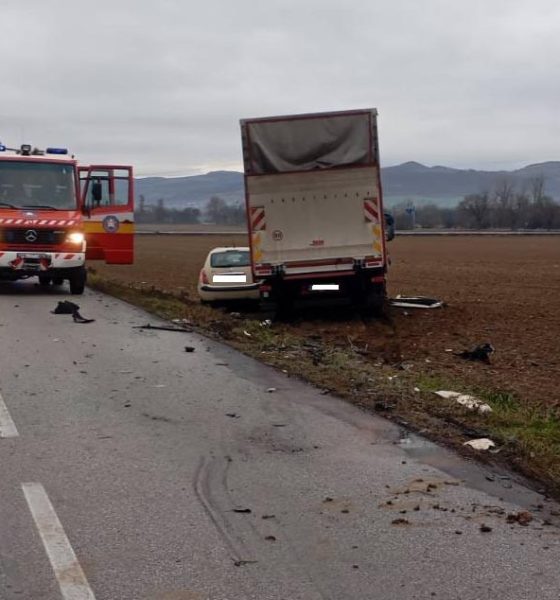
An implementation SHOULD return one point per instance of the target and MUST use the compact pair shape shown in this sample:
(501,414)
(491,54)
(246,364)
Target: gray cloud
(163,85)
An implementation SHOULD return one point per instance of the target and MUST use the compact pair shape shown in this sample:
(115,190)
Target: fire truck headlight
(76,237)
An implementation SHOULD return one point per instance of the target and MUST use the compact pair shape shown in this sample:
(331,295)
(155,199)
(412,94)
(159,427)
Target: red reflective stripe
(257,218)
(371,211)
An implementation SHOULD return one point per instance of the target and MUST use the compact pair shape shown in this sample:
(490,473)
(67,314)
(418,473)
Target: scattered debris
(270,538)
(233,415)
(481,353)
(69,308)
(480,444)
(266,323)
(271,390)
(162,328)
(415,302)
(65,308)
(268,516)
(243,511)
(400,521)
(523,518)
(242,563)
(189,348)
(485,528)
(466,400)
(79,319)
(235,315)
(247,333)
(181,322)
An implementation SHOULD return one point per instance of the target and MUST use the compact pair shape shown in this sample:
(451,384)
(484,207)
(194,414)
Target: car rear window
(231,258)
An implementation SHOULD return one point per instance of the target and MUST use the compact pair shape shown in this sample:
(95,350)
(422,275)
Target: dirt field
(502,290)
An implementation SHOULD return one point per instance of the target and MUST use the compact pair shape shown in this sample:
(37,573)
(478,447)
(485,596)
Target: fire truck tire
(78,281)
(44,280)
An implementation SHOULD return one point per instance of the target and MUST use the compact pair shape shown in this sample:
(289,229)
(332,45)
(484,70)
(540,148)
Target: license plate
(28,256)
(229,279)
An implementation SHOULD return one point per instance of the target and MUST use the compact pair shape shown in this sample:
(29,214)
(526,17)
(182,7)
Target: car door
(107,195)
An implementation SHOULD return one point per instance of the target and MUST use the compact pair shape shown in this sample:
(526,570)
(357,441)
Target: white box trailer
(315,206)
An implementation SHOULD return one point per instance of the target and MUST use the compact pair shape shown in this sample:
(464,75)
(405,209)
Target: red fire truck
(55,214)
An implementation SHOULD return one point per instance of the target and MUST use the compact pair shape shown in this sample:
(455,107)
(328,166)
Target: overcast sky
(162,84)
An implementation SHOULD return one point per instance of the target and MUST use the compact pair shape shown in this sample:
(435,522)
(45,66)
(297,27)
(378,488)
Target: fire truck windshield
(37,185)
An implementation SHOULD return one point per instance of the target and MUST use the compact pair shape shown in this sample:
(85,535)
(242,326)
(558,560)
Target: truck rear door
(107,194)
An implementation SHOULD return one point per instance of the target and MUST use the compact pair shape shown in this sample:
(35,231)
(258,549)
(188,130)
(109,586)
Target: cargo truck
(315,208)
(54,214)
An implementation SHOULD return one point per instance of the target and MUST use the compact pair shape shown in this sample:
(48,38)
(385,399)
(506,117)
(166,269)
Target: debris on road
(266,323)
(79,319)
(242,563)
(162,328)
(465,400)
(270,390)
(481,353)
(485,528)
(233,415)
(246,333)
(400,521)
(243,511)
(65,308)
(480,444)
(523,517)
(189,348)
(69,308)
(415,302)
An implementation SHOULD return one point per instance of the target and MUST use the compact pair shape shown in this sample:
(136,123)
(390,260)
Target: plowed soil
(502,290)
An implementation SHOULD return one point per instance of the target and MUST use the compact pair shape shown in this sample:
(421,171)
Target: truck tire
(78,281)
(44,280)
(376,301)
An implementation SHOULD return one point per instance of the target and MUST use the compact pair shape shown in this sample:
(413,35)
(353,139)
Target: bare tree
(476,207)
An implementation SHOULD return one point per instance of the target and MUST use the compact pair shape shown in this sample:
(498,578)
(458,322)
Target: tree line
(506,206)
(217,211)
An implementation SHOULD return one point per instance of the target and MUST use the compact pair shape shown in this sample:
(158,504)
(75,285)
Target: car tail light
(203,276)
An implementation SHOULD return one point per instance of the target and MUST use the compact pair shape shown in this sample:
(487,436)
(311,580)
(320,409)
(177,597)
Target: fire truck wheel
(44,280)
(78,281)
(58,281)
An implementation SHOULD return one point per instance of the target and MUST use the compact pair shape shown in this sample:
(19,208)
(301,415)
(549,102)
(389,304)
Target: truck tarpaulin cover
(302,144)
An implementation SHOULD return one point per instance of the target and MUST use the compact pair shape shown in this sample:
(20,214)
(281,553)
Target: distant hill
(411,180)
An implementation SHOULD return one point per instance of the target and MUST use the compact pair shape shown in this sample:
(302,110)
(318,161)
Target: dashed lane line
(7,426)
(68,571)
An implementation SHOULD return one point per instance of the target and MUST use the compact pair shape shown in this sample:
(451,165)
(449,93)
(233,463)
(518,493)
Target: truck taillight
(203,276)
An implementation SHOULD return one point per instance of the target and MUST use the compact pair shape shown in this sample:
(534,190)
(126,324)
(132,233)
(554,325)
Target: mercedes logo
(31,235)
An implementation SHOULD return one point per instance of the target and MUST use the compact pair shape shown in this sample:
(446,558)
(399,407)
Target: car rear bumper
(237,292)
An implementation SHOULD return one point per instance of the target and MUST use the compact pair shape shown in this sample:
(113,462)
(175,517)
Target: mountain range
(410,181)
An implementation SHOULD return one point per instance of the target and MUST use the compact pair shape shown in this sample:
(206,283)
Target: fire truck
(55,214)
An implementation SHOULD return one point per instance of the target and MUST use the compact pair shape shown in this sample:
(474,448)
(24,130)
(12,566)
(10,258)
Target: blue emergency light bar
(57,150)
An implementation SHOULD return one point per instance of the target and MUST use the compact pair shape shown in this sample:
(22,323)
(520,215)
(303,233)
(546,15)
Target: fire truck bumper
(36,263)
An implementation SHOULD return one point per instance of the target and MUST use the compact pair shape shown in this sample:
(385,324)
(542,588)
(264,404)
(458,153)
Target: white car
(226,275)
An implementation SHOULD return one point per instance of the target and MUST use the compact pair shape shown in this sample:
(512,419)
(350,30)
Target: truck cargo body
(315,207)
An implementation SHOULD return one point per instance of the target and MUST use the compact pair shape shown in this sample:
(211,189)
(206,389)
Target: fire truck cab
(55,214)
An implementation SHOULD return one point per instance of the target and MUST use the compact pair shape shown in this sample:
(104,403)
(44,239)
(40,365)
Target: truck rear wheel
(78,281)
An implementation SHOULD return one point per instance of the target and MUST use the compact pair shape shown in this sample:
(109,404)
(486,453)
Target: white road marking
(69,574)
(7,426)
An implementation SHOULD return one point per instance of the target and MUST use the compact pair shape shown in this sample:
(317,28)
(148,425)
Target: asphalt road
(124,461)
